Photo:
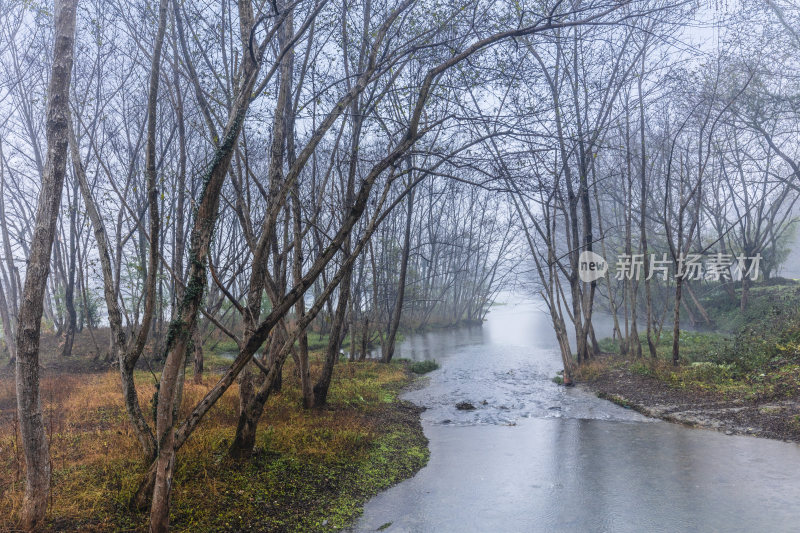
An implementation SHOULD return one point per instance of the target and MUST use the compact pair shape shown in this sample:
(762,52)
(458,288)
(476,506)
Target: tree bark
(401,284)
(365,334)
(252,401)
(336,337)
(676,322)
(69,293)
(300,311)
(642,212)
(185,319)
(11,276)
(34,438)
(198,358)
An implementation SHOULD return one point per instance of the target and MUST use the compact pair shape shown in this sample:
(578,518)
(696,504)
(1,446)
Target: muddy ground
(773,419)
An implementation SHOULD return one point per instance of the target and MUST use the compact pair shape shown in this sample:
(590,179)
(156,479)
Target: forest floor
(311,470)
(741,378)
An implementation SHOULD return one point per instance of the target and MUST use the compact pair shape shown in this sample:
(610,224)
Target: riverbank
(741,377)
(311,471)
(658,390)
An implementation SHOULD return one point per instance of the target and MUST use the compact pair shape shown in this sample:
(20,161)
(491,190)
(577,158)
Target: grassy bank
(744,377)
(753,355)
(312,470)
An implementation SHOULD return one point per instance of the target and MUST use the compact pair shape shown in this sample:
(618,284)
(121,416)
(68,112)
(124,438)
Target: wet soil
(773,419)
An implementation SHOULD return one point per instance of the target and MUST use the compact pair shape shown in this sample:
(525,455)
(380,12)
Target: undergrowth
(760,360)
(311,470)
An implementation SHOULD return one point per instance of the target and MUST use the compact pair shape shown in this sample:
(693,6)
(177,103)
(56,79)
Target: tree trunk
(745,289)
(8,300)
(364,338)
(185,319)
(252,403)
(169,390)
(8,335)
(245,438)
(401,284)
(642,213)
(297,275)
(198,358)
(335,339)
(69,293)
(676,322)
(34,438)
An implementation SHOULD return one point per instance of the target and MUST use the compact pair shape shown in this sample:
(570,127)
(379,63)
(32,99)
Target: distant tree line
(645,141)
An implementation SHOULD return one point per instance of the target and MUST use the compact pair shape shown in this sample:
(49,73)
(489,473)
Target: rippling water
(534,456)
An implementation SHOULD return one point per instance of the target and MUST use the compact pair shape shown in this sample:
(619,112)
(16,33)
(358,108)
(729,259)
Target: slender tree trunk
(29,408)
(297,275)
(297,263)
(11,274)
(177,252)
(338,325)
(364,338)
(745,298)
(126,358)
(401,284)
(676,322)
(335,339)
(642,214)
(185,319)
(8,335)
(633,341)
(69,293)
(169,393)
(198,357)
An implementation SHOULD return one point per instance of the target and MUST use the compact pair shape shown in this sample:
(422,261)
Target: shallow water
(534,456)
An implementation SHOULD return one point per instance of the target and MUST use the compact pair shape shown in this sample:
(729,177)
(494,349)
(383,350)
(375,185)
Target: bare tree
(34,438)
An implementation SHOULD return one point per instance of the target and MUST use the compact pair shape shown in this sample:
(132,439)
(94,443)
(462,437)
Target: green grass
(316,341)
(764,298)
(694,346)
(423,367)
(289,492)
(755,354)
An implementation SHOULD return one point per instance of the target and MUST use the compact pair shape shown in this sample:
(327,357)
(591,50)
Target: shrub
(710,372)
(423,367)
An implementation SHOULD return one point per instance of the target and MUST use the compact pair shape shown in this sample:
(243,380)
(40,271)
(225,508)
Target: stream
(534,456)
